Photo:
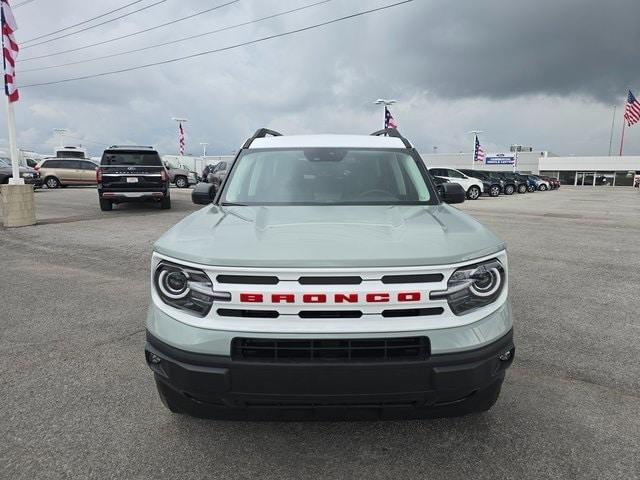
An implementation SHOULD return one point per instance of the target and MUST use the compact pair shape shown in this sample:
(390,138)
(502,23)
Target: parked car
(538,182)
(339,278)
(553,182)
(62,172)
(217,176)
(511,182)
(438,182)
(132,173)
(473,186)
(181,177)
(29,175)
(493,186)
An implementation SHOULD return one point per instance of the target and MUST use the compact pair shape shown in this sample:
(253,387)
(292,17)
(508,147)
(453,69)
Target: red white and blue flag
(389,121)
(9,51)
(181,139)
(478,153)
(632,110)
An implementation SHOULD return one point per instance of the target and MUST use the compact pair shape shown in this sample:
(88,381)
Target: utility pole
(385,103)
(473,154)
(204,149)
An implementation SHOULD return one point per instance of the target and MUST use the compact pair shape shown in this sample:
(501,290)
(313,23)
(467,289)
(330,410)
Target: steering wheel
(376,191)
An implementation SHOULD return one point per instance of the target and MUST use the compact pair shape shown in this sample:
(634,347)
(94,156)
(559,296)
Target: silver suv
(327,272)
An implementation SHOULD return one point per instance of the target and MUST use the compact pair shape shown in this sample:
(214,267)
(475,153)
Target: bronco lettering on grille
(310,298)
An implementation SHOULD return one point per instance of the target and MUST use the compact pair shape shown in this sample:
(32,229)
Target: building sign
(500,159)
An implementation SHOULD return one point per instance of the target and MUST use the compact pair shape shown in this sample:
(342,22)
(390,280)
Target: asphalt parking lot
(77,400)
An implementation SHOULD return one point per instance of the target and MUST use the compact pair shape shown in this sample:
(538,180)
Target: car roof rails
(261,133)
(392,132)
(129,147)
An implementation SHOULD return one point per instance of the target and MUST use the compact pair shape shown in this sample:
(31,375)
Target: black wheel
(52,182)
(181,182)
(473,193)
(106,205)
(165,203)
(522,189)
(531,188)
(543,187)
(509,189)
(494,191)
(168,398)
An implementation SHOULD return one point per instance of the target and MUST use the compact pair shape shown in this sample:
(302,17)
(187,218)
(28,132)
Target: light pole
(204,149)
(516,149)
(385,103)
(473,154)
(60,132)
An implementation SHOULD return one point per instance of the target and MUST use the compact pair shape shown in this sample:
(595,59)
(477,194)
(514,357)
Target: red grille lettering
(314,298)
(377,297)
(283,298)
(251,297)
(346,298)
(409,297)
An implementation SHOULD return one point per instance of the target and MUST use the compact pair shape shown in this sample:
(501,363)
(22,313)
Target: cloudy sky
(545,73)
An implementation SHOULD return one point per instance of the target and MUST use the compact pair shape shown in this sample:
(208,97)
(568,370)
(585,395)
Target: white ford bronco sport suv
(328,275)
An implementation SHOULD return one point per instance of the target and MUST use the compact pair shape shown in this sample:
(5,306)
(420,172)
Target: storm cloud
(544,73)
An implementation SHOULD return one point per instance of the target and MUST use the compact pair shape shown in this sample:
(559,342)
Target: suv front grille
(328,350)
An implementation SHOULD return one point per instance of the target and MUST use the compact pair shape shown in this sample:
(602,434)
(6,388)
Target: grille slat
(413,312)
(327,350)
(248,279)
(339,280)
(418,278)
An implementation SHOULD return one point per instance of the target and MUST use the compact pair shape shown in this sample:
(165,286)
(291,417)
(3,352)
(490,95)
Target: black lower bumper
(218,381)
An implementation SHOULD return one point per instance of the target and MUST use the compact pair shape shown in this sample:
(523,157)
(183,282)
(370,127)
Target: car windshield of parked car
(143,159)
(325,176)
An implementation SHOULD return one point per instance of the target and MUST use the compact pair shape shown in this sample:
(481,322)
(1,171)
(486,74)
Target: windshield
(325,176)
(145,159)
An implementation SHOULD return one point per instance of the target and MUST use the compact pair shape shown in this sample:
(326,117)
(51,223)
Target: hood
(328,236)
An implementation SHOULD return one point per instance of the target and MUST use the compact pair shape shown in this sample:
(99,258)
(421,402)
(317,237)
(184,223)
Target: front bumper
(222,382)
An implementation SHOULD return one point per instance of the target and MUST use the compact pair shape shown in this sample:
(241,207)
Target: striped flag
(389,121)
(9,51)
(478,153)
(632,110)
(181,139)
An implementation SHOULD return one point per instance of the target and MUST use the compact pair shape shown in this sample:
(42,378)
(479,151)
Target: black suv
(129,174)
(519,184)
(493,185)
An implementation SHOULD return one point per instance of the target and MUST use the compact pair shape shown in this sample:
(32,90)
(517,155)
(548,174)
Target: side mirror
(203,194)
(453,193)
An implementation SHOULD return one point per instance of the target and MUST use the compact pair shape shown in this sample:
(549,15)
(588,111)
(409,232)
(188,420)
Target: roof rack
(392,132)
(261,133)
(130,147)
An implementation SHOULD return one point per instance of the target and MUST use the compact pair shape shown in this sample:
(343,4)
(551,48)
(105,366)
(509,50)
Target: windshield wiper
(232,204)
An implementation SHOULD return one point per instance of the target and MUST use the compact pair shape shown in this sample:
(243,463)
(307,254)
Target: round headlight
(173,284)
(486,283)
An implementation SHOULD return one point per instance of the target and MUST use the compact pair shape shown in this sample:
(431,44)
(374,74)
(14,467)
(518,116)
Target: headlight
(473,286)
(186,288)
(27,175)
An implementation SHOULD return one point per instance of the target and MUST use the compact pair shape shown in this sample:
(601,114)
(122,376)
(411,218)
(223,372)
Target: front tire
(473,193)
(531,188)
(181,182)
(52,182)
(522,189)
(494,191)
(543,187)
(509,190)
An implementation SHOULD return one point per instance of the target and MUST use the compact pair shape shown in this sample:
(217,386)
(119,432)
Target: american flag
(389,121)
(632,110)
(478,153)
(9,51)
(181,139)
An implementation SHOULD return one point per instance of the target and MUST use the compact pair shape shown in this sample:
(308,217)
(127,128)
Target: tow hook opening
(507,355)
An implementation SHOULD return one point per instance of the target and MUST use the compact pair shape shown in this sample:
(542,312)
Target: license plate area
(132,179)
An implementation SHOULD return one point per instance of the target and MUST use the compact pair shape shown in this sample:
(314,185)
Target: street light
(385,102)
(204,149)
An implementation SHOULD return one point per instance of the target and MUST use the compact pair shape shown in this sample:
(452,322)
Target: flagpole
(613,124)
(624,124)
(13,146)
(473,151)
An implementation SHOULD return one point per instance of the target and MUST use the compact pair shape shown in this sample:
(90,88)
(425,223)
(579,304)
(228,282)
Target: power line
(191,37)
(223,49)
(94,26)
(77,24)
(129,34)
(22,3)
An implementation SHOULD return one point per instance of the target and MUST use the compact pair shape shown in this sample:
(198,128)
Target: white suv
(326,273)
(473,186)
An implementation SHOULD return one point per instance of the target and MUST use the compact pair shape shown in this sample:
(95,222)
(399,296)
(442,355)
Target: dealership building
(571,170)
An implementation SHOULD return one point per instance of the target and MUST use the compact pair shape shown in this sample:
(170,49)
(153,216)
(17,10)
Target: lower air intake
(327,350)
